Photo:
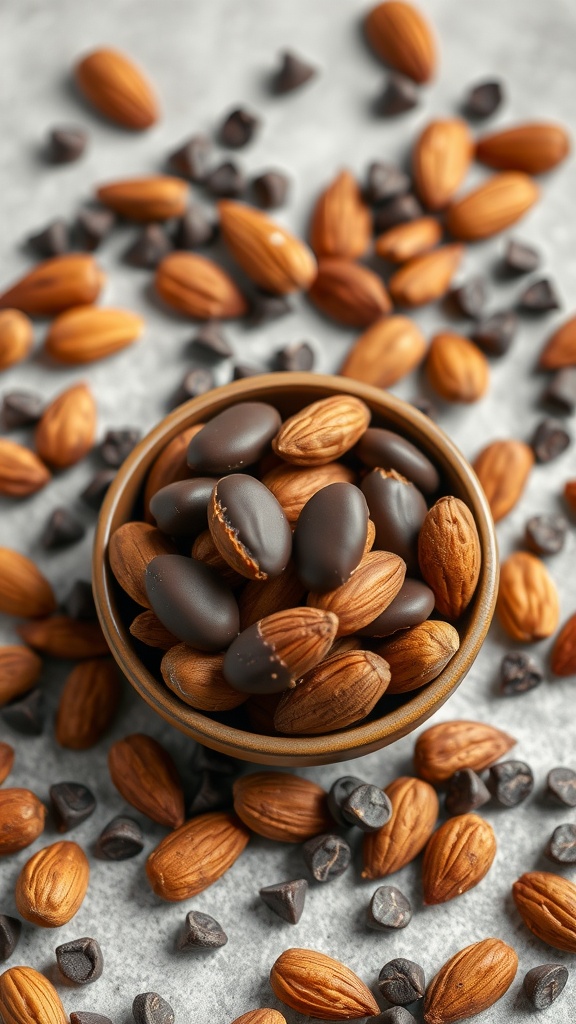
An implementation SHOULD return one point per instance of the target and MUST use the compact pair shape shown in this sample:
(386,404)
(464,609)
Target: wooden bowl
(290,392)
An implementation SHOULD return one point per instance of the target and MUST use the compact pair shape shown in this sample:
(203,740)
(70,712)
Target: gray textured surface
(205,58)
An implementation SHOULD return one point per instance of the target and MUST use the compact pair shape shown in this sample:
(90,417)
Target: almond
(547,905)
(130,549)
(147,628)
(258,600)
(145,775)
(197,679)
(56,284)
(449,555)
(87,333)
(349,293)
(197,854)
(341,222)
(67,429)
(457,857)
(570,494)
(61,636)
(21,471)
(260,709)
(560,349)
(456,368)
(418,655)
(264,1016)
(401,36)
(492,207)
(197,287)
(170,465)
(27,997)
(323,431)
(88,704)
(52,885)
(404,241)
(385,352)
(319,986)
(564,650)
(425,278)
(24,591)
(533,148)
(153,198)
(415,810)
(117,87)
(273,258)
(503,468)
(440,161)
(447,747)
(293,486)
(370,589)
(280,806)
(205,550)
(527,606)
(19,671)
(471,981)
(6,761)
(21,819)
(16,337)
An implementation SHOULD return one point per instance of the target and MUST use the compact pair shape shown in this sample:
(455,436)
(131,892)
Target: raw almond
(197,287)
(24,591)
(527,606)
(447,747)
(67,429)
(449,555)
(425,278)
(341,221)
(56,284)
(145,775)
(170,465)
(21,471)
(418,655)
(564,650)
(560,349)
(16,337)
(52,885)
(293,486)
(205,550)
(349,293)
(61,636)
(440,161)
(503,468)
(281,806)
(385,352)
(471,981)
(197,854)
(88,704)
(534,147)
(130,549)
(258,600)
(492,207)
(153,198)
(370,589)
(457,370)
(87,333)
(273,258)
(457,857)
(415,810)
(117,88)
(547,905)
(197,679)
(264,1016)
(27,997)
(21,819)
(401,36)
(6,761)
(147,628)
(404,241)
(318,986)
(19,671)
(323,431)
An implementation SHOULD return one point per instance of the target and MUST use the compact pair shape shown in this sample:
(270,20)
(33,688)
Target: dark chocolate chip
(121,839)
(62,529)
(93,225)
(384,182)
(412,605)
(72,803)
(234,439)
(192,601)
(271,189)
(544,984)
(339,793)
(181,509)
(10,930)
(201,934)
(286,899)
(397,509)
(212,340)
(85,1017)
(66,144)
(510,782)
(326,857)
(330,536)
(402,981)
(53,240)
(384,448)
(21,409)
(265,308)
(94,493)
(245,509)
(192,158)
(540,297)
(211,791)
(546,534)
(292,73)
(118,443)
(561,846)
(196,382)
(79,603)
(297,356)
(466,792)
(495,334)
(389,908)
(519,672)
(226,181)
(483,99)
(469,298)
(521,258)
(561,786)
(562,389)
(212,760)
(424,405)
(238,128)
(243,370)
(368,807)
(150,1008)
(149,247)
(26,714)
(396,1015)
(195,229)
(551,439)
(398,211)
(80,961)
(399,95)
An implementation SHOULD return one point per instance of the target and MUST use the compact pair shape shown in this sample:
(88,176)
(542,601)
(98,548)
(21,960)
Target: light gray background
(204,59)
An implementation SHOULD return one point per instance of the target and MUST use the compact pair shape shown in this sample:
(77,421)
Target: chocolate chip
(238,128)
(53,240)
(10,930)
(326,857)
(546,534)
(21,409)
(339,793)
(539,297)
(148,248)
(544,984)
(425,406)
(292,73)
(243,370)
(270,189)
(226,181)
(402,981)
(367,807)
(192,158)
(79,604)
(93,225)
(298,356)
(483,99)
(66,144)
(551,439)
(195,229)
(265,308)
(521,258)
(211,339)
(150,1008)
(62,529)
(389,908)
(399,95)
(396,1015)
(72,803)
(196,382)
(286,899)
(398,211)
(561,786)
(510,782)
(80,961)
(94,493)
(469,298)
(121,839)
(84,1017)
(466,792)
(201,933)
(26,715)
(562,389)
(118,443)
(384,182)
(495,334)
(561,846)
(211,791)
(519,672)
(212,760)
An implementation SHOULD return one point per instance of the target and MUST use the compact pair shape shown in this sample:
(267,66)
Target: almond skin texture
(534,148)
(88,704)
(67,430)
(418,655)
(404,241)
(281,806)
(24,591)
(547,905)
(443,749)
(52,885)
(147,628)
(319,986)
(471,981)
(194,856)
(56,284)
(449,555)
(19,671)
(349,293)
(415,810)
(205,550)
(197,679)
(117,88)
(323,431)
(370,589)
(401,36)
(264,1016)
(560,349)
(273,258)
(21,471)
(60,636)
(21,819)
(131,548)
(503,468)
(197,287)
(259,600)
(6,761)
(293,486)
(170,465)
(87,333)
(145,775)
(458,856)
(146,199)
(457,370)
(492,207)
(564,650)
(425,278)
(341,222)
(440,161)
(385,352)
(527,606)
(16,337)
(27,997)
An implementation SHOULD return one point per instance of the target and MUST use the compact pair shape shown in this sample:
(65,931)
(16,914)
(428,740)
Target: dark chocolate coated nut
(330,536)
(201,933)
(251,666)
(234,439)
(413,605)
(339,793)
(383,448)
(249,527)
(80,961)
(181,509)
(192,601)
(397,509)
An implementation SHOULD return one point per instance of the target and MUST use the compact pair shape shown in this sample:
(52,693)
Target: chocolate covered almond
(413,605)
(388,450)
(249,527)
(398,510)
(181,508)
(330,536)
(192,602)
(234,439)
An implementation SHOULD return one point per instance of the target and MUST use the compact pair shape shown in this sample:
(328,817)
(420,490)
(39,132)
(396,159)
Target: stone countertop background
(205,59)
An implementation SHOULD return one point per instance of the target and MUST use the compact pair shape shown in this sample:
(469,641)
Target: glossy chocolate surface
(191,601)
(385,448)
(181,509)
(414,604)
(251,666)
(397,509)
(330,536)
(234,439)
(250,512)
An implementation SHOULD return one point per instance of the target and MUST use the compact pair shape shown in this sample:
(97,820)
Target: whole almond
(197,679)
(67,429)
(425,278)
(146,199)
(560,349)
(170,465)
(258,600)
(414,815)
(264,1016)
(323,431)
(7,756)
(281,806)
(197,287)
(205,550)
(418,655)
(61,636)
(528,605)
(293,486)
(145,775)
(535,147)
(56,284)
(19,671)
(147,628)
(273,258)
(349,293)
(130,549)
(52,885)
(88,703)
(341,221)
(24,590)
(401,36)
(404,241)
(370,589)
(318,986)
(27,997)
(21,471)
(564,650)
(117,87)
(491,207)
(387,351)
(21,819)
(440,161)
(449,555)
(471,981)
(503,468)
(197,854)
(87,333)
(457,857)
(457,370)
(16,337)
(547,905)
(447,747)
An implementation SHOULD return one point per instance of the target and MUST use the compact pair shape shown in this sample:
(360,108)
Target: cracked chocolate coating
(256,520)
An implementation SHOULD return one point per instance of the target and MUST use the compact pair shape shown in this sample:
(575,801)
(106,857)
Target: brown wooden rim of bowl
(357,740)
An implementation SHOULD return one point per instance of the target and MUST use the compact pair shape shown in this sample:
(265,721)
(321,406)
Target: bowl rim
(356,740)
